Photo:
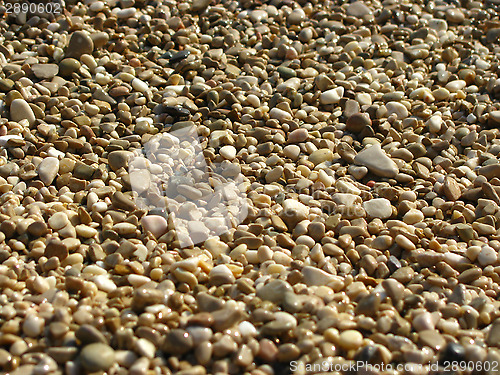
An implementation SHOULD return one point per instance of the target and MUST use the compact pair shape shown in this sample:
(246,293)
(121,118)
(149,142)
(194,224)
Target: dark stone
(393,263)
(452,352)
(88,334)
(358,122)
(56,248)
(177,342)
(176,111)
(178,56)
(366,354)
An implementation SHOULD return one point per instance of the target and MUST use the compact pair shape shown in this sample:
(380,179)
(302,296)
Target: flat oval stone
(358,9)
(455,15)
(298,136)
(155,224)
(47,169)
(45,71)
(296,16)
(33,325)
(377,161)
(456,85)
(378,208)
(97,357)
(279,114)
(21,110)
(320,156)
(350,339)
(220,275)
(68,66)
(398,109)
(177,342)
(258,15)
(228,152)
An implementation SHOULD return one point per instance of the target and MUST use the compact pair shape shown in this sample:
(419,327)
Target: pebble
(316,276)
(280,115)
(155,224)
(21,110)
(332,96)
(358,9)
(413,216)
(451,189)
(377,161)
(220,275)
(119,159)
(97,357)
(177,342)
(423,322)
(298,136)
(320,156)
(48,169)
(33,326)
(350,339)
(493,336)
(274,291)
(378,208)
(45,71)
(228,152)
(487,256)
(68,66)
(79,43)
(293,211)
(88,334)
(454,15)
(357,122)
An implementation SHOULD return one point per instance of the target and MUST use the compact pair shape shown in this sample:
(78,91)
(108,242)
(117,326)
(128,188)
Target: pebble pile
(368,136)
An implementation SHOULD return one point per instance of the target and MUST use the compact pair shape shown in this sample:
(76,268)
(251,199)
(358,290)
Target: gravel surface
(366,135)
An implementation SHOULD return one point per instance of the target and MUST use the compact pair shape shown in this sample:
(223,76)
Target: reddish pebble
(370,183)
(134,62)
(267,350)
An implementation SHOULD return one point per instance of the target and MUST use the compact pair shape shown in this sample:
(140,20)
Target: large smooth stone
(377,161)
(97,357)
(79,43)
(47,170)
(21,110)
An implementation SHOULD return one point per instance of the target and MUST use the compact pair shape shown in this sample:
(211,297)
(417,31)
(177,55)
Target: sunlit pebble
(134,62)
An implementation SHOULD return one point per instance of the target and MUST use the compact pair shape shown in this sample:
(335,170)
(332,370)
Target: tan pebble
(350,339)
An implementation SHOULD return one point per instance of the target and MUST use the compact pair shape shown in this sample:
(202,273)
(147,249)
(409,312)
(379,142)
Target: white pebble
(139,85)
(332,96)
(487,256)
(228,152)
(33,325)
(104,283)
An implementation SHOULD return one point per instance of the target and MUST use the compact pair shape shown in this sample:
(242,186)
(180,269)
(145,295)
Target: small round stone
(97,357)
(350,340)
